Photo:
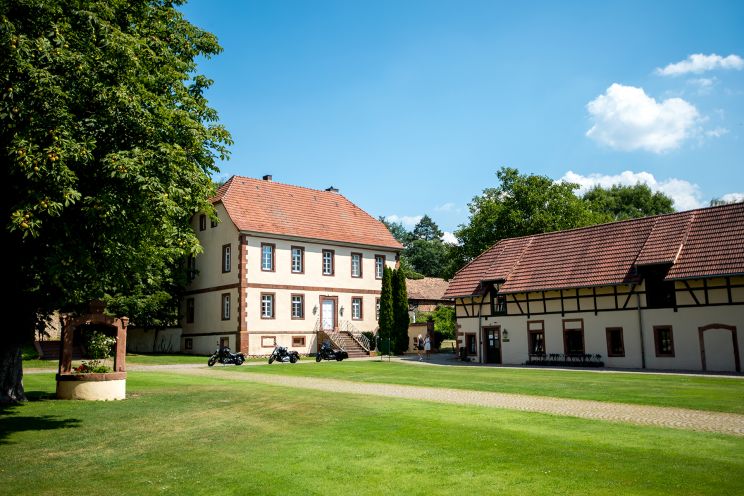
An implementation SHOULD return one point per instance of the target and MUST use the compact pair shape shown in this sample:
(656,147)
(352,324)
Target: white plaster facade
(247,282)
(719,315)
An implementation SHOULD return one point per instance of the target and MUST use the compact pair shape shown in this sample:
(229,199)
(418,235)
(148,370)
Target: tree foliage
(424,252)
(109,144)
(628,202)
(387,316)
(520,205)
(427,230)
(400,312)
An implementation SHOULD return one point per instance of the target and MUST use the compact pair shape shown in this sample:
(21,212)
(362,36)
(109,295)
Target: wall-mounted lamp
(506,334)
(341,311)
(315,309)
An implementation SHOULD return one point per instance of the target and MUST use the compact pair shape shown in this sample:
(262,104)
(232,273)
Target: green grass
(696,392)
(203,435)
(132,359)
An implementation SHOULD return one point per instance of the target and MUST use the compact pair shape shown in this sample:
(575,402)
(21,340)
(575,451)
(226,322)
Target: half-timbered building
(662,292)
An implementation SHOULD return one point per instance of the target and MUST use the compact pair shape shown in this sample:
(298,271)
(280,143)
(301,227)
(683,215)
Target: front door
(327,313)
(492,343)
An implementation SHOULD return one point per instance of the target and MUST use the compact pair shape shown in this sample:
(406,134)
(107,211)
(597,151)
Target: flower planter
(97,387)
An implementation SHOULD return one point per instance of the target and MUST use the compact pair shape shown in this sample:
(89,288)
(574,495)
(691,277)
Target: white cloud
(408,221)
(733,197)
(698,63)
(446,207)
(686,195)
(450,238)
(704,85)
(717,132)
(625,118)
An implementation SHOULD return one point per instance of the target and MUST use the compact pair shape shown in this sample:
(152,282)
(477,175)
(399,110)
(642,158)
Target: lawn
(202,435)
(696,392)
(132,359)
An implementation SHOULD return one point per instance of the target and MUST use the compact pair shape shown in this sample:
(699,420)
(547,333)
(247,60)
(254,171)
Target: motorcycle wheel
(239,360)
(292,359)
(339,358)
(271,359)
(212,360)
(317,357)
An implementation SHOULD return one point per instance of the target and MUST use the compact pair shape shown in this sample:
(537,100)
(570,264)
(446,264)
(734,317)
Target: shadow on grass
(11,423)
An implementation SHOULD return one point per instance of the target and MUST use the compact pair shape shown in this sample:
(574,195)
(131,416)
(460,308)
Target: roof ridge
(645,241)
(483,253)
(223,190)
(635,219)
(519,259)
(262,181)
(688,228)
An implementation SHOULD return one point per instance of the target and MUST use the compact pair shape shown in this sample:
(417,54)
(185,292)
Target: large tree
(424,253)
(628,202)
(109,144)
(427,230)
(520,205)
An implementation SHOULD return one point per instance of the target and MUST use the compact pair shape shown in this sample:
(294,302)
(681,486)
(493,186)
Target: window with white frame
(356,265)
(226,306)
(298,259)
(379,266)
(298,306)
(267,305)
(327,262)
(356,308)
(226,258)
(267,257)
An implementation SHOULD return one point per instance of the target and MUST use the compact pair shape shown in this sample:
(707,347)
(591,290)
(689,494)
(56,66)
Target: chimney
(332,189)
(267,177)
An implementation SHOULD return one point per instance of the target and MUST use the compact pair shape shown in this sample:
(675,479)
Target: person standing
(427,346)
(420,347)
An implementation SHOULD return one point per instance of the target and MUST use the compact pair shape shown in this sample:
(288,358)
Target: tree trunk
(11,373)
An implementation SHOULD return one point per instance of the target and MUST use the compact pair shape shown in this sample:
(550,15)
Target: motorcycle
(282,354)
(328,353)
(225,357)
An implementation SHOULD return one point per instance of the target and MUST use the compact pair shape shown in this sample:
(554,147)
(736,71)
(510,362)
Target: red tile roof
(428,288)
(261,206)
(707,242)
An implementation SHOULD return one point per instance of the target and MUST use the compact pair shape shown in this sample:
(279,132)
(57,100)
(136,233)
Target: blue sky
(409,108)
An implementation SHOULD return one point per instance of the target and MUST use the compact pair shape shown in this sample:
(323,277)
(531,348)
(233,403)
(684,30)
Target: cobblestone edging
(676,418)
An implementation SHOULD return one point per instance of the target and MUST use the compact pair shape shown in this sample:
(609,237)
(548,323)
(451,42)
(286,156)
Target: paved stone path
(677,418)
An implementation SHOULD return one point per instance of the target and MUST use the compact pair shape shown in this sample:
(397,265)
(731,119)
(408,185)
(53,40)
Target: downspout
(640,330)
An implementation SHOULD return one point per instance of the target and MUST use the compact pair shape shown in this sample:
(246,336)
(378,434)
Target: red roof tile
(256,205)
(428,288)
(706,242)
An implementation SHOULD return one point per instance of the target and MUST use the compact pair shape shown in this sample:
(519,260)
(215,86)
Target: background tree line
(520,205)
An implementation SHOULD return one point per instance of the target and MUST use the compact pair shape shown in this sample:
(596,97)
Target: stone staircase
(349,344)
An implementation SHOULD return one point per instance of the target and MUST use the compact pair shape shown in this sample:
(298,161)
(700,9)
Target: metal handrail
(333,335)
(356,334)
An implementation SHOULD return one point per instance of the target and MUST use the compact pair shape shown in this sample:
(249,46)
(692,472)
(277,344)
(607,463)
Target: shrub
(99,348)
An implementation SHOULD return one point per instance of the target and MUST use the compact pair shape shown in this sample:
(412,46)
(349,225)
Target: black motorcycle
(328,353)
(225,357)
(282,354)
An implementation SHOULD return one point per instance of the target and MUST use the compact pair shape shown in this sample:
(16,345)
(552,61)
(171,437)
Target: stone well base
(112,386)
